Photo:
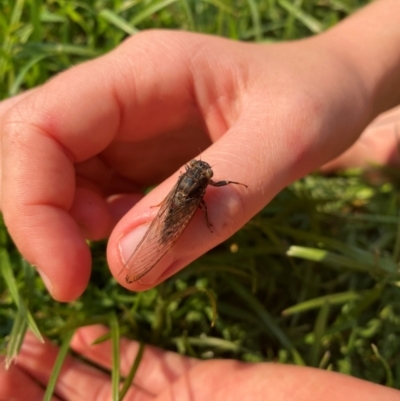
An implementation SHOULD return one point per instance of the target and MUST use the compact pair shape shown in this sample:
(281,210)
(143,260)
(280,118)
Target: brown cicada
(175,213)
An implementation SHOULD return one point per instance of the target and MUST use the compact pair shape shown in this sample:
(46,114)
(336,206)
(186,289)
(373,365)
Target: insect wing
(160,236)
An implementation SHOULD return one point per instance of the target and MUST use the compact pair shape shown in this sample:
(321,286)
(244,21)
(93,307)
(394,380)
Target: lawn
(311,280)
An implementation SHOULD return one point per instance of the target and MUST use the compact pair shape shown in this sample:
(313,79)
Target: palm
(168,376)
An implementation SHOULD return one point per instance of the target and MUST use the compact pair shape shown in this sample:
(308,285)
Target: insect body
(175,213)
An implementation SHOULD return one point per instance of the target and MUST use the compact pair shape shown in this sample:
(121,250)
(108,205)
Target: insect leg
(224,182)
(203,206)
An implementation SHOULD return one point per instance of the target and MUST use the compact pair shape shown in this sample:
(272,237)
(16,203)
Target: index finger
(43,136)
(69,120)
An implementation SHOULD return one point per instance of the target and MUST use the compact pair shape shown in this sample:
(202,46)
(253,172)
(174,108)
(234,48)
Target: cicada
(175,213)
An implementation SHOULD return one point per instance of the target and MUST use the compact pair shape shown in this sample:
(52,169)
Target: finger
(96,175)
(69,120)
(121,204)
(91,213)
(220,380)
(39,184)
(378,144)
(5,106)
(77,381)
(157,369)
(17,385)
(228,208)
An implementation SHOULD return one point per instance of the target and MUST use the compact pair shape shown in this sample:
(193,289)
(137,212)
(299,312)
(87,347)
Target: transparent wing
(164,231)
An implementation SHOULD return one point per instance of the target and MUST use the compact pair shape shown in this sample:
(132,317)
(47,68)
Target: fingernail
(127,246)
(129,242)
(46,280)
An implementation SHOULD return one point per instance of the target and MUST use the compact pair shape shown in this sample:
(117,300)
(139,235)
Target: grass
(312,280)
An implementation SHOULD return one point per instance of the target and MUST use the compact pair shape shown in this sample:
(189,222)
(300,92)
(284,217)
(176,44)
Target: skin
(166,376)
(76,153)
(379,143)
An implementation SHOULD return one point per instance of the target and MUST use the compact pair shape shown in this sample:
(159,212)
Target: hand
(379,144)
(133,117)
(164,375)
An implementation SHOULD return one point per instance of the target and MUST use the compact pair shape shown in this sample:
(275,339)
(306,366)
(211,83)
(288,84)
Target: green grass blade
(265,317)
(385,364)
(56,49)
(17,12)
(307,20)
(333,259)
(396,248)
(189,15)
(331,243)
(210,342)
(256,19)
(62,354)
(35,11)
(132,372)
(8,35)
(118,22)
(115,368)
(315,303)
(366,261)
(11,283)
(319,331)
(8,276)
(33,327)
(15,87)
(16,337)
(152,9)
